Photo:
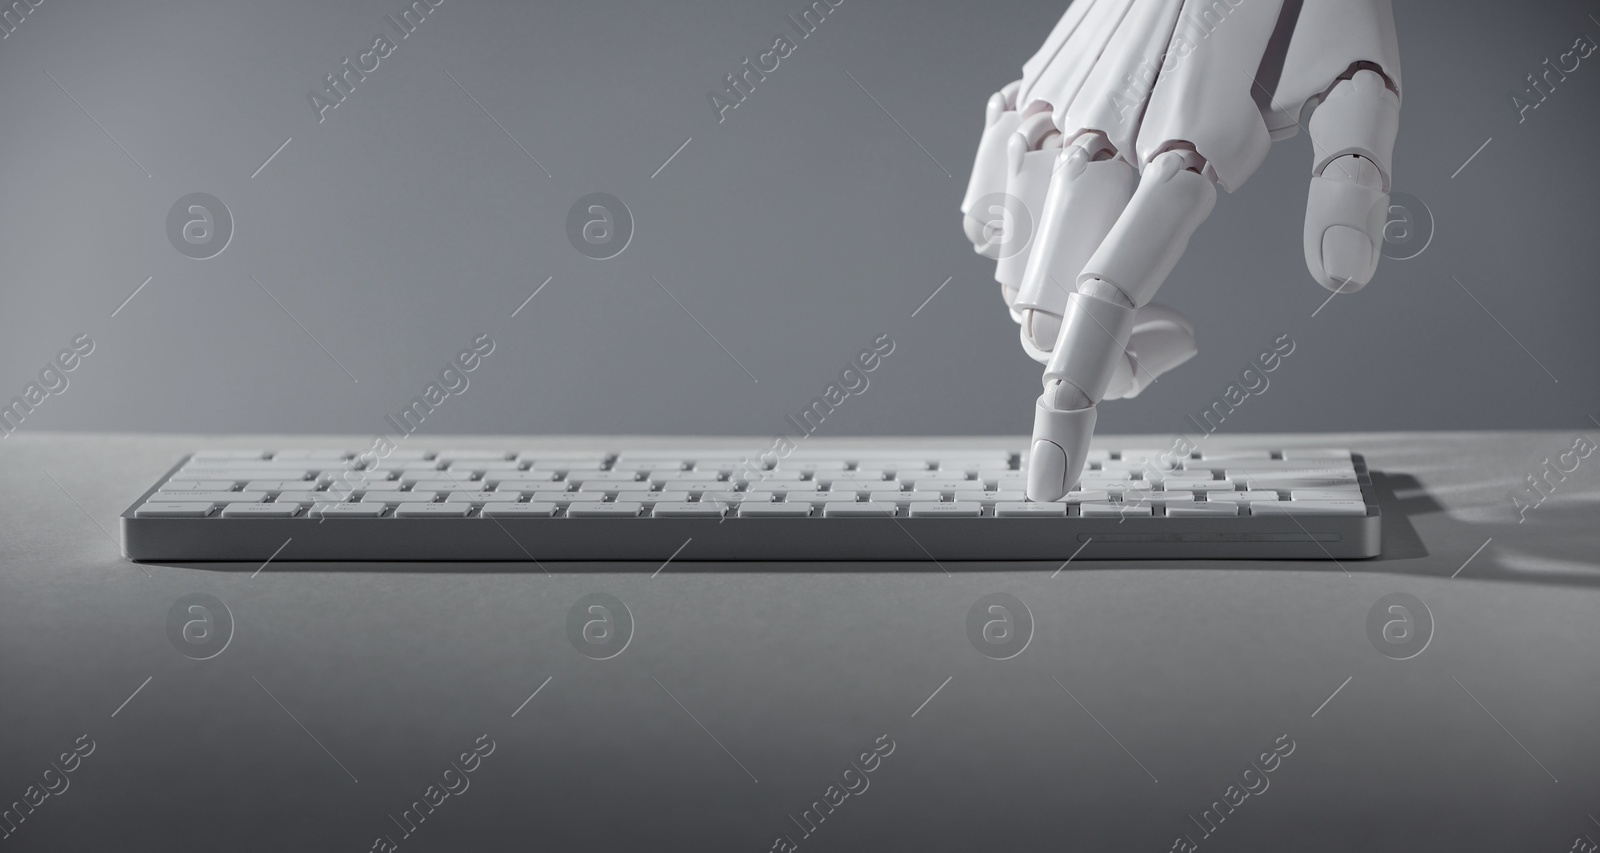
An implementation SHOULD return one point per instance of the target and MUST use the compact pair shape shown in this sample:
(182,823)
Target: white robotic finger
(1112,98)
(1090,351)
(1030,155)
(989,169)
(1330,38)
(1087,193)
(1353,131)
(1172,200)
(1056,73)
(1203,98)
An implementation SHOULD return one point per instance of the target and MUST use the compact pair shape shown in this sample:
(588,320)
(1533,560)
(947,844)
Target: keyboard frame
(654,540)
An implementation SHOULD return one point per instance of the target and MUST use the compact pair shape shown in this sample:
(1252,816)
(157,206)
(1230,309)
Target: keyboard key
(769,510)
(334,456)
(685,509)
(445,476)
(610,510)
(602,476)
(1202,510)
(671,477)
(568,464)
(361,510)
(1079,497)
(1095,484)
(695,487)
(726,467)
(653,496)
(565,498)
(663,466)
(432,510)
(725,497)
(899,465)
(173,509)
(942,484)
(197,486)
(822,497)
(484,465)
(961,509)
(230,454)
(1296,508)
(246,474)
(611,487)
(784,476)
(1248,497)
(1296,480)
(1199,485)
(992,496)
(424,486)
(833,465)
(1205,485)
(857,509)
(1351,494)
(794,486)
(246,510)
(411,475)
(699,463)
(905,497)
(1265,465)
(539,509)
(308,497)
(1162,459)
(1111,510)
(1158,497)
(858,480)
(280,485)
(768,496)
(492,477)
(1112,471)
(1020,509)
(208,496)
(484,497)
(369,486)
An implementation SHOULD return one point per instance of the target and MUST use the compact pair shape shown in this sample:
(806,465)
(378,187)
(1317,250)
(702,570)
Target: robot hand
(1114,142)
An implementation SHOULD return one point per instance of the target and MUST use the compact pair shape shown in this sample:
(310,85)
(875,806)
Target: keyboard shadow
(1552,545)
(1400,538)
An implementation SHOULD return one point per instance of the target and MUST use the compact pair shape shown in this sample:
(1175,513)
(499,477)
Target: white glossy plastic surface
(1190,95)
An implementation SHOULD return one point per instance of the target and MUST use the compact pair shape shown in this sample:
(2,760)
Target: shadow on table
(1400,538)
(1555,543)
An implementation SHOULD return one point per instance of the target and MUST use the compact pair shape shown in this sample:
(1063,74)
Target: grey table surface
(1144,695)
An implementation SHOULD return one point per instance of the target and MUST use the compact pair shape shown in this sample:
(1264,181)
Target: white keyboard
(815,504)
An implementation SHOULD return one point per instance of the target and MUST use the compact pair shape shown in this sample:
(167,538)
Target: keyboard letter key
(172,509)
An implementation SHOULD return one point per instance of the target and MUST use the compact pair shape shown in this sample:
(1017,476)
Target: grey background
(795,232)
